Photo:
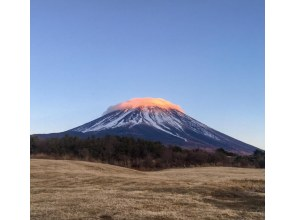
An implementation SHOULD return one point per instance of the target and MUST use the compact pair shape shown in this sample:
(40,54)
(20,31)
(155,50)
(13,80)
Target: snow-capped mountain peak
(159,120)
(156,117)
(170,121)
(144,103)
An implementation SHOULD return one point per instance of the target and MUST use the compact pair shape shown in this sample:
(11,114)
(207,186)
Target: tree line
(137,153)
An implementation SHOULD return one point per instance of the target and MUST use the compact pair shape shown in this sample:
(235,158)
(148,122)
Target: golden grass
(63,189)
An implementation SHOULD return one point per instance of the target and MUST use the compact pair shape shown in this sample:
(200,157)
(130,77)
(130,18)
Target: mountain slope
(159,123)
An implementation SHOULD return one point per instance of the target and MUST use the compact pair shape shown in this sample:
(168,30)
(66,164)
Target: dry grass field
(64,189)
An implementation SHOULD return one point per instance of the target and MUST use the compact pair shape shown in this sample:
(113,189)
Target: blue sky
(206,56)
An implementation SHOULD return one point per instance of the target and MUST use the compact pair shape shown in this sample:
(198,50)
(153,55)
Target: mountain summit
(159,120)
(144,102)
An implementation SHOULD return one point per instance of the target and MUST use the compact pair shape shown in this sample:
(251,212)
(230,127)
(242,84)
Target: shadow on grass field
(62,189)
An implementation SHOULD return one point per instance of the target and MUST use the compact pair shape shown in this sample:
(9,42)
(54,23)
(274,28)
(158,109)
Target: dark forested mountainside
(137,153)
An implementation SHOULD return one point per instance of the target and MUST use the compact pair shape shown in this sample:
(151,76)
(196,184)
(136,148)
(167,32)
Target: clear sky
(206,56)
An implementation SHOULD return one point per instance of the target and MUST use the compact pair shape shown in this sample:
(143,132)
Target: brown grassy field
(64,189)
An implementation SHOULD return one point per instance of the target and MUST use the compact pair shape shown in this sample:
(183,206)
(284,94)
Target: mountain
(158,120)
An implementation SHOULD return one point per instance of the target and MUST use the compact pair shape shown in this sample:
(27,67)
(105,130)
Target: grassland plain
(66,189)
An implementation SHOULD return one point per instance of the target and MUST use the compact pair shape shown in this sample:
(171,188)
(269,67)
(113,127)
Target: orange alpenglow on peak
(144,102)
